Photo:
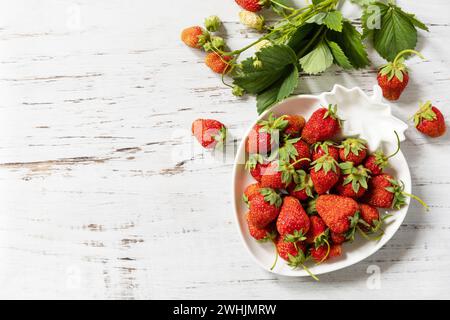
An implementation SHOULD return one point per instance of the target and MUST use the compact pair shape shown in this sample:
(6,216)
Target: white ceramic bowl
(371,120)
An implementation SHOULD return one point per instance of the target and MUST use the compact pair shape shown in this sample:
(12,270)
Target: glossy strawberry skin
(319,254)
(336,211)
(392,89)
(300,194)
(190,36)
(272,177)
(258,141)
(295,125)
(292,217)
(258,171)
(250,5)
(332,151)
(303,152)
(377,195)
(217,63)
(369,214)
(433,128)
(205,131)
(351,157)
(317,227)
(347,190)
(322,181)
(371,164)
(319,129)
(337,238)
(252,190)
(285,249)
(259,234)
(261,213)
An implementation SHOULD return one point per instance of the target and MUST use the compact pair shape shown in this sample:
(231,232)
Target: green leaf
(318,60)
(301,36)
(339,56)
(280,90)
(349,40)
(397,29)
(317,18)
(333,20)
(363,3)
(275,59)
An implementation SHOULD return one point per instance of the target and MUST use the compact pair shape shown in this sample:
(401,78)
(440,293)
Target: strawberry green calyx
(332,113)
(271,196)
(253,161)
(397,68)
(245,199)
(381,160)
(322,239)
(287,169)
(238,91)
(272,123)
(354,145)
(215,43)
(204,38)
(303,182)
(425,113)
(221,138)
(311,207)
(397,188)
(357,176)
(299,261)
(270,236)
(212,23)
(288,151)
(323,145)
(325,163)
(354,220)
(295,236)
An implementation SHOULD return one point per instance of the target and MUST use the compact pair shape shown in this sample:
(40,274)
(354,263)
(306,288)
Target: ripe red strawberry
(430,121)
(262,235)
(319,254)
(369,215)
(264,207)
(353,182)
(325,148)
(393,77)
(210,133)
(293,222)
(295,125)
(353,150)
(335,251)
(337,212)
(194,37)
(325,174)
(256,165)
(272,176)
(217,63)
(250,191)
(252,5)
(378,161)
(324,124)
(385,192)
(317,234)
(296,152)
(337,238)
(265,135)
(302,187)
(286,250)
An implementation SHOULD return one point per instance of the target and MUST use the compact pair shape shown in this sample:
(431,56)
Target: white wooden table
(103,194)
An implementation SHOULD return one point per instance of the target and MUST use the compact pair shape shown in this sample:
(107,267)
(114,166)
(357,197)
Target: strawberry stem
(310,273)
(402,53)
(300,160)
(276,257)
(398,146)
(282,5)
(328,251)
(427,208)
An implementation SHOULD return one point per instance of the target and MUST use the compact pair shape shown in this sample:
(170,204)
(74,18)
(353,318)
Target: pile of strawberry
(312,191)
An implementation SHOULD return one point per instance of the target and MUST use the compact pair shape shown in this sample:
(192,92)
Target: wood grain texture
(103,194)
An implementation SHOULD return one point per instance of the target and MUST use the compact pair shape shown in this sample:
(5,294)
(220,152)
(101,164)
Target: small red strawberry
(194,37)
(264,207)
(293,222)
(318,232)
(256,165)
(370,217)
(337,238)
(325,148)
(210,133)
(265,234)
(302,188)
(353,182)
(265,135)
(295,125)
(430,121)
(386,192)
(353,150)
(393,77)
(252,5)
(319,254)
(272,177)
(335,251)
(337,212)
(295,151)
(294,253)
(378,161)
(324,124)
(217,63)
(250,191)
(324,173)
